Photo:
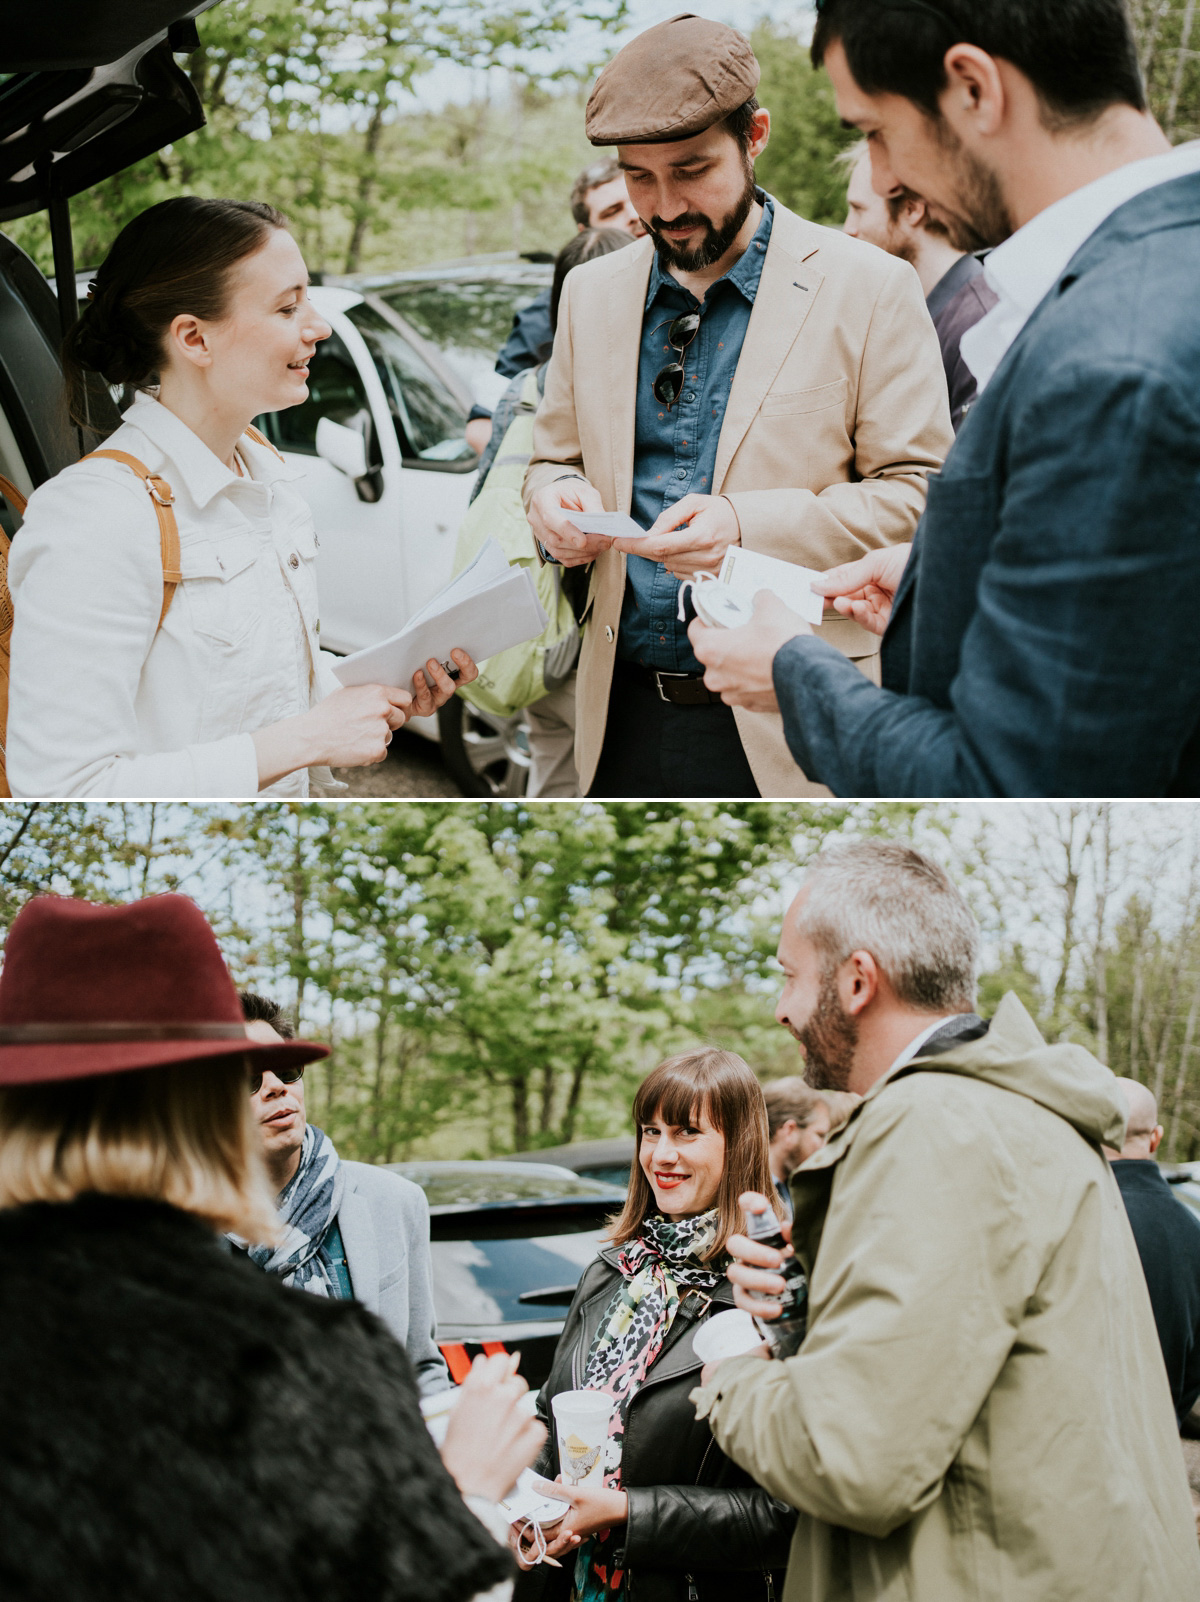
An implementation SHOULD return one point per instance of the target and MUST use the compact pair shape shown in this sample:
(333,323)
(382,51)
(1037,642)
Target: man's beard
(830,1039)
(716,241)
(980,219)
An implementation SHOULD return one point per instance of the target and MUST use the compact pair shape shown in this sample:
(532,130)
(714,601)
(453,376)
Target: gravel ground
(414,767)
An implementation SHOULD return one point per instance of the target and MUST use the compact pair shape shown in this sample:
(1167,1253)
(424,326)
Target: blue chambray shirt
(675,452)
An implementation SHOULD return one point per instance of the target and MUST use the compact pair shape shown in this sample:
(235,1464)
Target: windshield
(483,1281)
(430,423)
(469,321)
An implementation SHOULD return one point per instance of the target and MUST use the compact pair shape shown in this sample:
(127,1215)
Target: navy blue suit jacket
(1045,639)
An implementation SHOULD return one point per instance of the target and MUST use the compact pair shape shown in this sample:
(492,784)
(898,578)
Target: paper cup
(436,1411)
(581,1419)
(727,1335)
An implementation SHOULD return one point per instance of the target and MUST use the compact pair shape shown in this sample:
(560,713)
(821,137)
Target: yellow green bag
(525,673)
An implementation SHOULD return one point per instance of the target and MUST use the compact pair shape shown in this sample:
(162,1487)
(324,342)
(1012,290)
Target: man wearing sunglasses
(1041,631)
(742,377)
(353,1231)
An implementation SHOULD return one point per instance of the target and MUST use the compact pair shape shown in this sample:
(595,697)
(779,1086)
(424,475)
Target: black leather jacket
(699,1529)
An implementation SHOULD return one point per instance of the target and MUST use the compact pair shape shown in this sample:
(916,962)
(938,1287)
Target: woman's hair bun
(105,342)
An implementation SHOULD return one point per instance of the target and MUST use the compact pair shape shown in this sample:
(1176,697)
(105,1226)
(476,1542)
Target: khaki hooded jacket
(980,1411)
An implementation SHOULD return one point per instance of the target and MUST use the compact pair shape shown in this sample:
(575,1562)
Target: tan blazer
(837,416)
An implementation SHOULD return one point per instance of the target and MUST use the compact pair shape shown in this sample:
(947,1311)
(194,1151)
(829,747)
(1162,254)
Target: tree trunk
(366,185)
(582,1063)
(1181,61)
(547,1108)
(1135,1016)
(377,1083)
(1100,958)
(299,898)
(1185,1053)
(520,1112)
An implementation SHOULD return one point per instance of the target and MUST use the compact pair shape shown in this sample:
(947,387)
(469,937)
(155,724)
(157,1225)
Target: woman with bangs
(674,1520)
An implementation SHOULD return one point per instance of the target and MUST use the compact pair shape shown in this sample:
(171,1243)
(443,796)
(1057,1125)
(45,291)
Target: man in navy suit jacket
(1041,634)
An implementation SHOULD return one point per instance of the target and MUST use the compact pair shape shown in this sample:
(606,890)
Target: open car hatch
(86,89)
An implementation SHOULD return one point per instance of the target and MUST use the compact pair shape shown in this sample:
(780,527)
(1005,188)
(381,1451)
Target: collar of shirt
(743,275)
(914,1045)
(948,285)
(1026,267)
(203,473)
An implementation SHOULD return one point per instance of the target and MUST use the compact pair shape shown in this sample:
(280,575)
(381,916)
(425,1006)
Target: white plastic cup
(581,1419)
(725,1335)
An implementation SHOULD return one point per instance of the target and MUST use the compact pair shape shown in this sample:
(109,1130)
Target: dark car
(509,1242)
(607,1160)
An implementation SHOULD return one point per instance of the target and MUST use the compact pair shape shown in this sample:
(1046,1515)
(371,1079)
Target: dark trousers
(662,752)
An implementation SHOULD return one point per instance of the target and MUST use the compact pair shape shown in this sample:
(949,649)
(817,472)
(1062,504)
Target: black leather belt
(680,689)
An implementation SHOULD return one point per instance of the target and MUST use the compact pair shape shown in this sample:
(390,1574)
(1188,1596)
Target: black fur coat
(176,1424)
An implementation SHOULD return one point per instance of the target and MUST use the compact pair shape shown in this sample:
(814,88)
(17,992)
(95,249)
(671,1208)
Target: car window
(609,1173)
(430,424)
(468,320)
(482,1281)
(335,390)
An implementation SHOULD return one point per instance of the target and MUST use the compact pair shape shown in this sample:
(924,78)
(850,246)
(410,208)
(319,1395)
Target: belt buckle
(659,675)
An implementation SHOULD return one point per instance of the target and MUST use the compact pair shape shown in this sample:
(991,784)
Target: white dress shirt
(1026,267)
(104,703)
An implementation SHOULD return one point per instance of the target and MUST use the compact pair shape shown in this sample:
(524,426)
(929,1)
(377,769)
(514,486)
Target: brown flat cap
(671,82)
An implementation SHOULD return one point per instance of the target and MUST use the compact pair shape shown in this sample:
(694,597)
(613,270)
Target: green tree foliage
(1168,35)
(301,98)
(806,135)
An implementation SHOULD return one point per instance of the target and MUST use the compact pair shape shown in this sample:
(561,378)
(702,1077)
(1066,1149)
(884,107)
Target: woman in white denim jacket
(231,697)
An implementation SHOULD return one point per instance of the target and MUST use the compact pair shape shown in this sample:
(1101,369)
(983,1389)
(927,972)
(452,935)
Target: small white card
(747,572)
(616,525)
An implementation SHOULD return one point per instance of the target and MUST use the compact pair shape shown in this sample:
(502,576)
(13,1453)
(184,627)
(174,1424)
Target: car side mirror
(344,448)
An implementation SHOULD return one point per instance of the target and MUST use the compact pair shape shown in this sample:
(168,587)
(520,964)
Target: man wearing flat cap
(741,377)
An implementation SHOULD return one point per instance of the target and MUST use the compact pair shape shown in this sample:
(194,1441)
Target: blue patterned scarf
(308,1205)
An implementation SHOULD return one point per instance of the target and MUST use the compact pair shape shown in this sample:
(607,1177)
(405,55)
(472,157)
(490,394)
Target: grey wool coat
(384,1221)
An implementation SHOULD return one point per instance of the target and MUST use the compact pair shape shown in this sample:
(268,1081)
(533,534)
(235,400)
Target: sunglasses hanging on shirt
(668,384)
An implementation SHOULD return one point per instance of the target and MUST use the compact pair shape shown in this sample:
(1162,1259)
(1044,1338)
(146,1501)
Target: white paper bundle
(487,609)
(747,572)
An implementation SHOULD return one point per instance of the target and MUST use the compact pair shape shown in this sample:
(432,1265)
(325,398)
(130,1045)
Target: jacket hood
(1066,1079)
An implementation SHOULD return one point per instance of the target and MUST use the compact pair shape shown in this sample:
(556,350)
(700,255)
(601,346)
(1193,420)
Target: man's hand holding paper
(690,537)
(550,519)
(864,590)
(739,662)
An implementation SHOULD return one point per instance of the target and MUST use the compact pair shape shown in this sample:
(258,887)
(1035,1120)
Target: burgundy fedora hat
(87,989)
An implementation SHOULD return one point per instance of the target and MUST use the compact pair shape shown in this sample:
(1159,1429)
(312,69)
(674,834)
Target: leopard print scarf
(659,1263)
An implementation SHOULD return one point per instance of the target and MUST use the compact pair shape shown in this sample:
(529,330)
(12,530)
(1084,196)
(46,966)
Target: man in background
(956,291)
(353,1231)
(1168,1242)
(599,199)
(798,1124)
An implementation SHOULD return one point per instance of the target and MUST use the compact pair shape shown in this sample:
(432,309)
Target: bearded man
(1040,632)
(979,1411)
(740,377)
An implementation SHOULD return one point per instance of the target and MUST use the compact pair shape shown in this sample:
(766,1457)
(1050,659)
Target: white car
(388,473)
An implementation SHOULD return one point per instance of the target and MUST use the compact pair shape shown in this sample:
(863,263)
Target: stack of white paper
(747,572)
(487,609)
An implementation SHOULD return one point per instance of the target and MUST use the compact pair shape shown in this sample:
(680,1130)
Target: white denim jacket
(100,704)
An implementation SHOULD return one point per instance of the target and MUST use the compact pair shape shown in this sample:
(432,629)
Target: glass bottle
(785,1333)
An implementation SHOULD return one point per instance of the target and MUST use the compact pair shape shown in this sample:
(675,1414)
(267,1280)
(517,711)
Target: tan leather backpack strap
(163,498)
(12,495)
(261,439)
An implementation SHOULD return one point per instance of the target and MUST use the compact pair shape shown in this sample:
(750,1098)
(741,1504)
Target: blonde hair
(720,1085)
(182,1134)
